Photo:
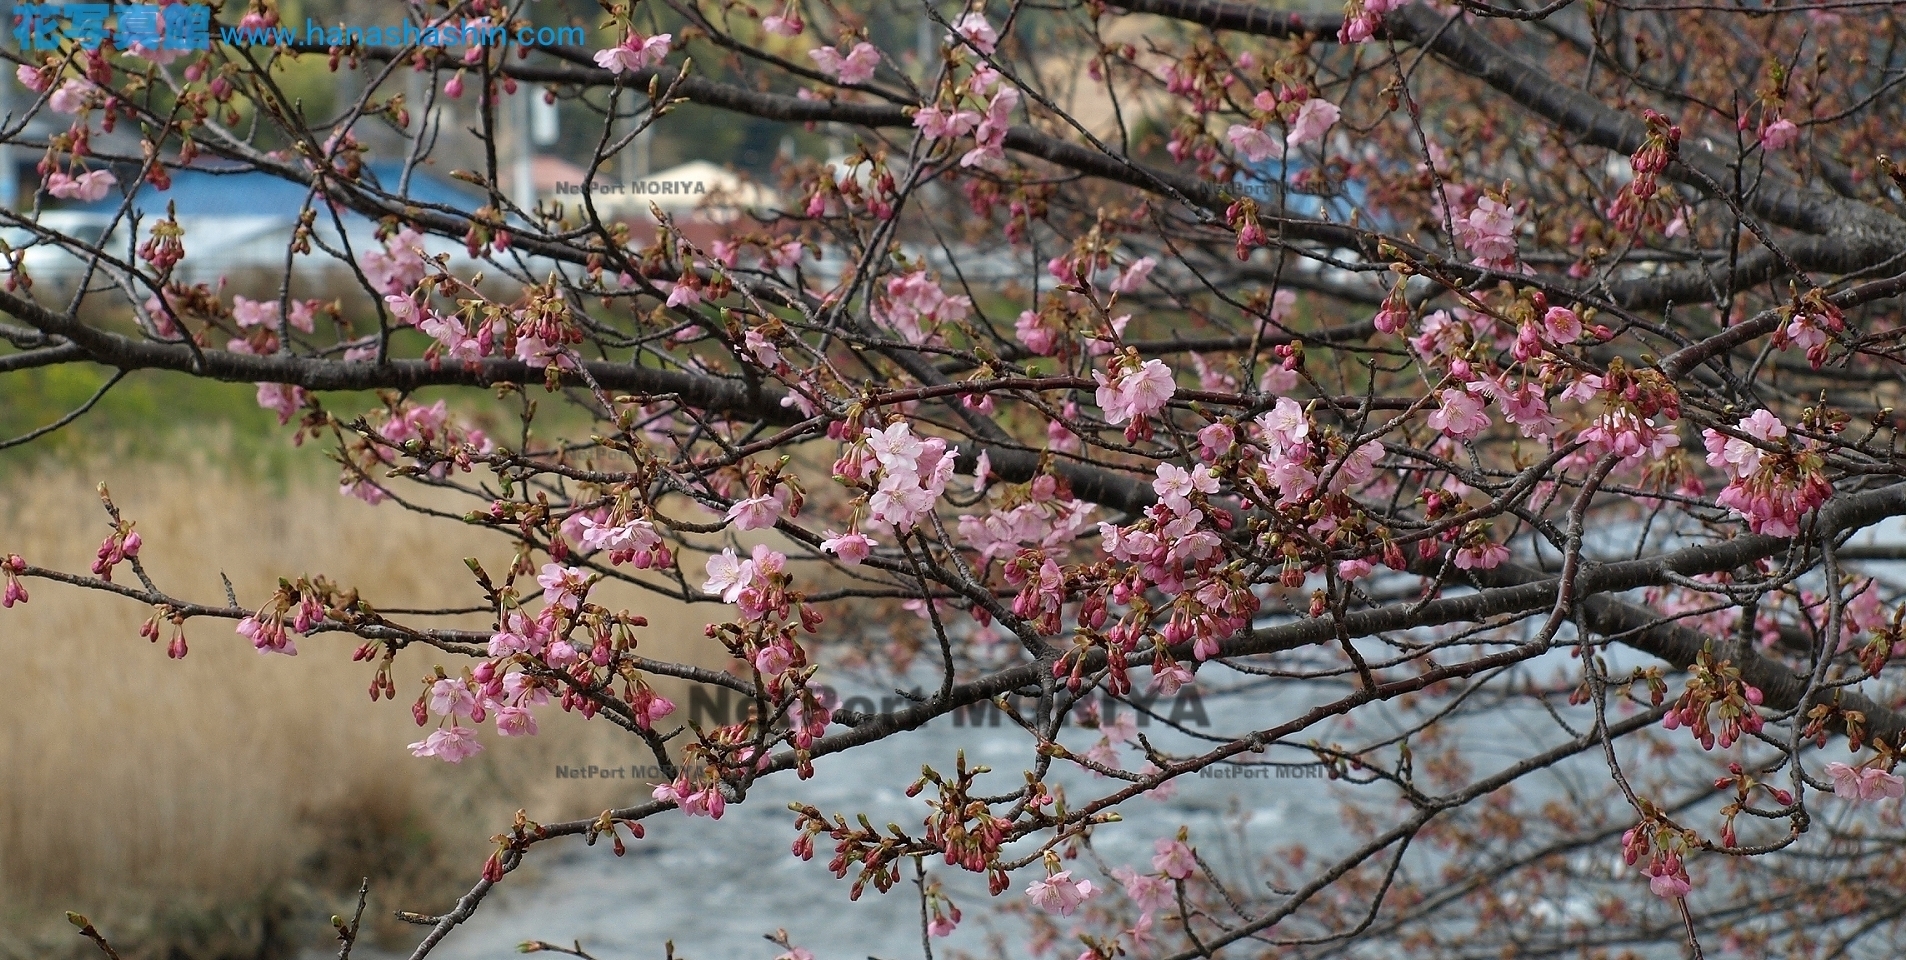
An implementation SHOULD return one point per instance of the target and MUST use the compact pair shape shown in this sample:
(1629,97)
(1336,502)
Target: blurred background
(225,804)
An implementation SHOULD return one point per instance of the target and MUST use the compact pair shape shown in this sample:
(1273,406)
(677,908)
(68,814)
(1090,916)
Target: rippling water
(715,888)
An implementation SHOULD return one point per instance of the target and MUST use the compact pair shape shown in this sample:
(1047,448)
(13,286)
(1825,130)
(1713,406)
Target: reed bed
(227,804)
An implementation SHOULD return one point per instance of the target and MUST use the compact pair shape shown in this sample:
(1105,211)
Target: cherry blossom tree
(1473,362)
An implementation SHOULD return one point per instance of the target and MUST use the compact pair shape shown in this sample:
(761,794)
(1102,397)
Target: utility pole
(924,49)
(525,182)
(634,160)
(9,173)
(416,94)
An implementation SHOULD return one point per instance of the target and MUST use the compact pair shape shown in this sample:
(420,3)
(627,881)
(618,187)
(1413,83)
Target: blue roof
(1265,179)
(209,192)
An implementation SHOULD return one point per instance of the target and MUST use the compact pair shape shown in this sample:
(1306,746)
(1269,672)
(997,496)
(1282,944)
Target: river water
(715,888)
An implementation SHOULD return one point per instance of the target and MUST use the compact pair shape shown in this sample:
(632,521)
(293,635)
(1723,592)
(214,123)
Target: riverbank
(225,804)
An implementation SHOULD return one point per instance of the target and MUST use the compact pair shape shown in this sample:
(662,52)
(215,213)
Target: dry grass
(226,804)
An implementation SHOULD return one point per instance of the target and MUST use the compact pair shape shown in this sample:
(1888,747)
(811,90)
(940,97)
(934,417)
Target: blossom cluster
(1772,480)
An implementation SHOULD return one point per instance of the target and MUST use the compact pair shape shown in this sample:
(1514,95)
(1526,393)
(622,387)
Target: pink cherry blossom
(563,586)
(631,535)
(990,137)
(1763,425)
(755,513)
(1461,415)
(915,306)
(763,349)
(267,635)
(1059,893)
(852,547)
(1254,143)
(648,707)
(1393,317)
(505,643)
(686,292)
(1173,858)
(1215,440)
(515,722)
(363,490)
(1670,884)
(1285,424)
(773,660)
(32,78)
(1562,324)
(1877,784)
(451,335)
(538,354)
(71,96)
(1175,484)
(282,399)
(400,266)
(450,744)
(1313,118)
(89,187)
(560,653)
(1362,19)
(790,25)
(1780,135)
(636,52)
(977,31)
(1489,232)
(1771,499)
(61,184)
(12,565)
(1864,783)
(304,314)
(1169,678)
(452,698)
(728,575)
(693,799)
(857,66)
(937,124)
(1482,555)
(254,313)
(1039,338)
(1133,277)
(523,691)
(1358,466)
(1136,392)
(914,474)
(404,308)
(1846,780)
(1148,890)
